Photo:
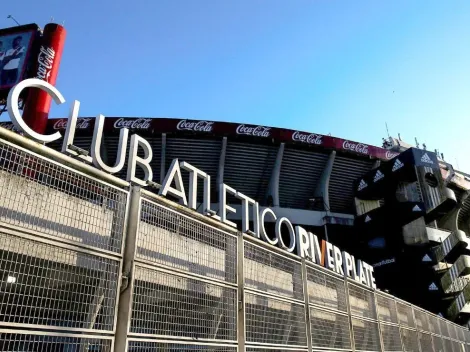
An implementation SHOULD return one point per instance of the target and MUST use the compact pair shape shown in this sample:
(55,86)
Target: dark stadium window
(431,180)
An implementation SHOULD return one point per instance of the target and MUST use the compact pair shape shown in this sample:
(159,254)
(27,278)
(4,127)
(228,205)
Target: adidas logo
(427,258)
(433,287)
(367,219)
(426,159)
(378,176)
(416,208)
(362,185)
(398,165)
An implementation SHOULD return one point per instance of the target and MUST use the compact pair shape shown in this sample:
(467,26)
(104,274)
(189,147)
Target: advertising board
(17,49)
(149,126)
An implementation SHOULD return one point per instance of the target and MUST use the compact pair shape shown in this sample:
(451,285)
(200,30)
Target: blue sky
(325,66)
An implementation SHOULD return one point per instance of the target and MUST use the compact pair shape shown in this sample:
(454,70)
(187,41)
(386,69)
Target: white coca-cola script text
(258,131)
(137,124)
(307,138)
(196,126)
(82,124)
(356,147)
(45,61)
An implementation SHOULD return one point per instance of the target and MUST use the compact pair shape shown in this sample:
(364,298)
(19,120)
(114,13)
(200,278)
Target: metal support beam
(273,187)
(351,330)
(241,334)
(324,183)
(307,306)
(220,171)
(163,159)
(376,307)
(127,278)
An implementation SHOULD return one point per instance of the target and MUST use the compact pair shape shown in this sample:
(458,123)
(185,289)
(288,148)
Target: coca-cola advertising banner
(150,126)
(16,52)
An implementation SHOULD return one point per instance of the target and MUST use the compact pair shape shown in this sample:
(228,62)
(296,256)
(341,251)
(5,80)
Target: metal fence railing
(91,265)
(61,236)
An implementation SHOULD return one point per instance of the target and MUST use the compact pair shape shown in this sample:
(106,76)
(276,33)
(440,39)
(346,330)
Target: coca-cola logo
(137,124)
(45,61)
(196,126)
(307,138)
(258,131)
(390,155)
(356,147)
(82,124)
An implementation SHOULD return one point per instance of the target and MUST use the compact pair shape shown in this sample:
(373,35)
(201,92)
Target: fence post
(416,328)
(399,324)
(125,298)
(241,293)
(351,331)
(307,305)
(382,347)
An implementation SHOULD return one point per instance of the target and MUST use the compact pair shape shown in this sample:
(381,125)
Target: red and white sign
(137,124)
(258,131)
(356,147)
(310,138)
(196,126)
(45,62)
(83,123)
(390,155)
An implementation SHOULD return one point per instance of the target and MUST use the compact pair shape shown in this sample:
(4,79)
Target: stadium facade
(94,262)
(90,262)
(402,209)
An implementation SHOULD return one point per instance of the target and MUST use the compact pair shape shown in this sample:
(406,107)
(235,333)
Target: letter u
(96,147)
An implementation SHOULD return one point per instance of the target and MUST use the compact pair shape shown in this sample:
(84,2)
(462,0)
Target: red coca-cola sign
(195,126)
(134,124)
(45,62)
(310,138)
(256,131)
(356,147)
(83,123)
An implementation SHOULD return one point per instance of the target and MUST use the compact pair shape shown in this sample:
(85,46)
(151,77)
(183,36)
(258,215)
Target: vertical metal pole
(416,328)
(307,305)
(351,331)
(221,168)
(382,347)
(163,158)
(273,186)
(399,325)
(241,294)
(125,298)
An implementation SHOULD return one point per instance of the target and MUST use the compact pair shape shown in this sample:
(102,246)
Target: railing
(88,264)
(442,250)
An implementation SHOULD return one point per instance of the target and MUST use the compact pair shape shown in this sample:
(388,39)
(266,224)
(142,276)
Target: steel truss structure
(90,263)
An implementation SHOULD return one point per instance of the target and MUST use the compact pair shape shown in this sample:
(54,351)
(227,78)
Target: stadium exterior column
(127,275)
(163,159)
(324,184)
(273,187)
(220,171)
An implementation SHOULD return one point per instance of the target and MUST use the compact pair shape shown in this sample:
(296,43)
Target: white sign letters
(286,236)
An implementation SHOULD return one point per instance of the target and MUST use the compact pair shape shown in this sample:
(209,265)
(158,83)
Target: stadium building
(92,262)
(399,208)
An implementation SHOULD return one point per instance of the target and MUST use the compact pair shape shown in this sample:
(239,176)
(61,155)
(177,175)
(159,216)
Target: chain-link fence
(88,265)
